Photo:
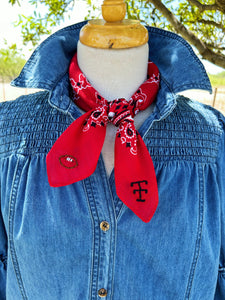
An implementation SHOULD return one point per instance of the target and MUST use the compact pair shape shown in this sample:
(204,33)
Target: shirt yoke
(191,132)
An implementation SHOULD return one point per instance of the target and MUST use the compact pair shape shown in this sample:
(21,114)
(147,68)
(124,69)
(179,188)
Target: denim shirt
(80,242)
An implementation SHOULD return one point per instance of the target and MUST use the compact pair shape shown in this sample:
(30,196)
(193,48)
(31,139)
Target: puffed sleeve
(3,259)
(220,289)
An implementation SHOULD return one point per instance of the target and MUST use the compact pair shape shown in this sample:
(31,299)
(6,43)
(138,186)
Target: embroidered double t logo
(140,190)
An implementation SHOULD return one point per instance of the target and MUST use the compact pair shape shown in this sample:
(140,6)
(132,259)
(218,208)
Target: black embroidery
(128,145)
(93,124)
(139,190)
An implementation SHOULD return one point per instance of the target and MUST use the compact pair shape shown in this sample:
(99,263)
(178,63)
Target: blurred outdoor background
(25,24)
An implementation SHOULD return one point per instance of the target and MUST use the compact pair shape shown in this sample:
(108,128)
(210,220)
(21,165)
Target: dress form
(115,73)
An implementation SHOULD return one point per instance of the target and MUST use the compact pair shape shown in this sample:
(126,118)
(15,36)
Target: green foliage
(209,25)
(11,62)
(218,79)
(14,2)
(47,14)
(94,10)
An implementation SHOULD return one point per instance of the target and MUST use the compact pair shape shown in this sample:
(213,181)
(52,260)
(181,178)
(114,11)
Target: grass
(218,79)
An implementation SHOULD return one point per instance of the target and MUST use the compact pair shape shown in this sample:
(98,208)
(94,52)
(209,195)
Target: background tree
(11,62)
(201,23)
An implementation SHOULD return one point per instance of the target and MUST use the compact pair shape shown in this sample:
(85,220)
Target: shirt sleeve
(220,289)
(3,259)
(3,252)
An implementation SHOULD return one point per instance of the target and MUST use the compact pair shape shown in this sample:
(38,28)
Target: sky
(9,15)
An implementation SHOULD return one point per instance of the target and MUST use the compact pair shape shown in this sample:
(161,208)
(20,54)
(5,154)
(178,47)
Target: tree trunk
(206,53)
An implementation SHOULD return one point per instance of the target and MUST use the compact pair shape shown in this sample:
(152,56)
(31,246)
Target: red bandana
(75,154)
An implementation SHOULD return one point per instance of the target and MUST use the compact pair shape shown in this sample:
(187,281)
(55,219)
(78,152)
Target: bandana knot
(120,111)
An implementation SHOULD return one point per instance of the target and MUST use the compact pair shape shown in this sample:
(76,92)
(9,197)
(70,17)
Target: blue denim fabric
(51,243)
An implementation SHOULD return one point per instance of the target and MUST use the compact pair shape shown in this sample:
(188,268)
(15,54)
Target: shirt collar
(47,68)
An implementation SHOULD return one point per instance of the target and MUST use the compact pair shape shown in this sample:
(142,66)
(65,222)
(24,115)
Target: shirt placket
(102,210)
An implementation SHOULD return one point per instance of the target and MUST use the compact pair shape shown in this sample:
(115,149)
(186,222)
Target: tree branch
(209,22)
(205,52)
(218,5)
(221,5)
(213,46)
(203,7)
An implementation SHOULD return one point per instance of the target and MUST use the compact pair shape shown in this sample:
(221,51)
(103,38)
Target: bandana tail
(135,179)
(75,154)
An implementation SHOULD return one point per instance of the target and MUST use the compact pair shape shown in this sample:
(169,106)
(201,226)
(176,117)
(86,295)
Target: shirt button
(102,293)
(104,226)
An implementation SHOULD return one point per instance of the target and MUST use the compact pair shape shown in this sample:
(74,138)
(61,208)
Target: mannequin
(115,73)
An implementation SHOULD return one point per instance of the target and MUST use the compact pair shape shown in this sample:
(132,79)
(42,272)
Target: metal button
(104,226)
(102,293)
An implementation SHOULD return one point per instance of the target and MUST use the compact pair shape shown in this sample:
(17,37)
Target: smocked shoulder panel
(191,132)
(30,125)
